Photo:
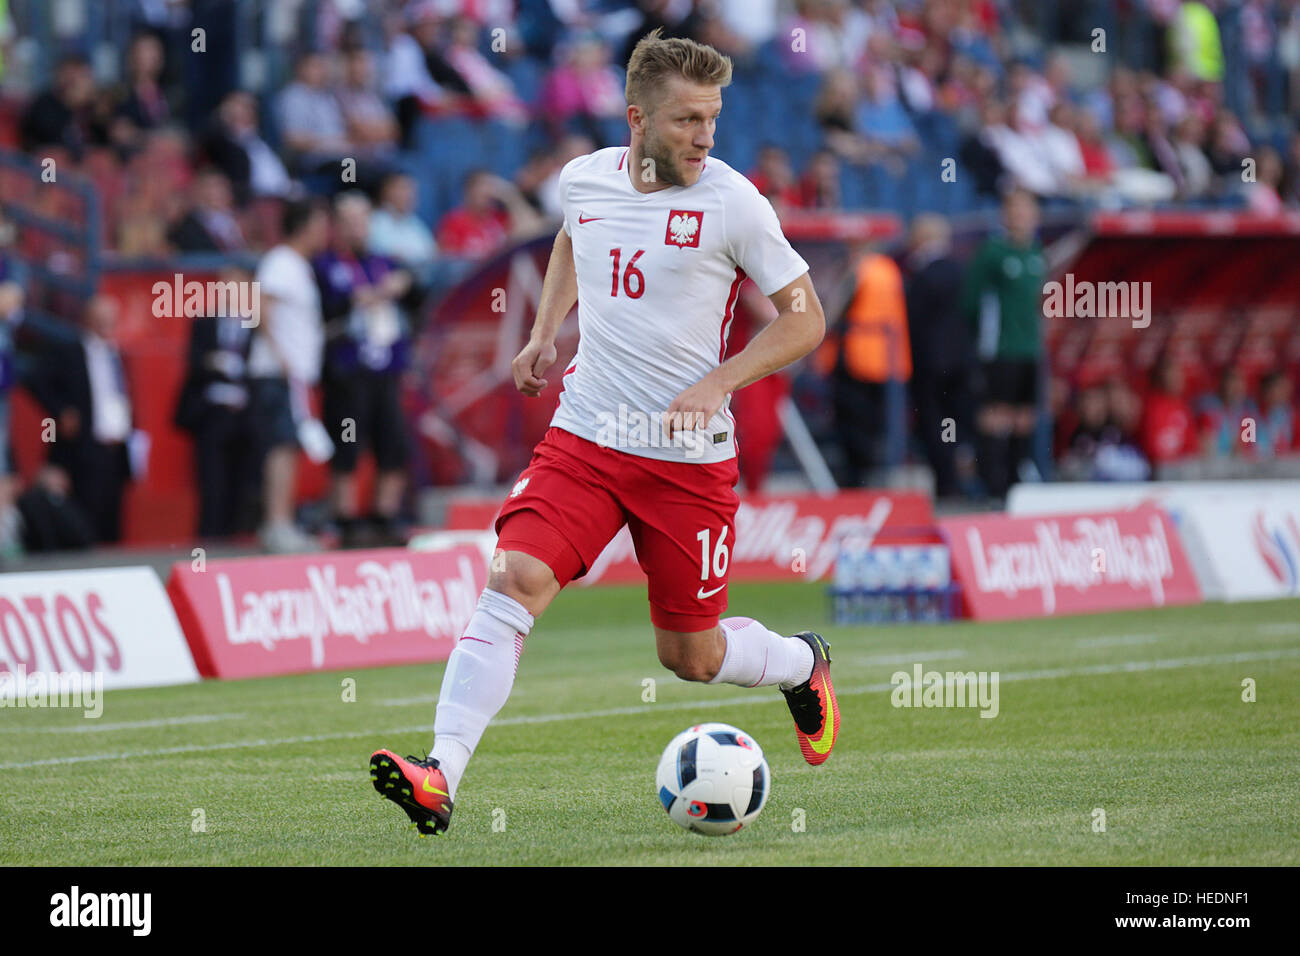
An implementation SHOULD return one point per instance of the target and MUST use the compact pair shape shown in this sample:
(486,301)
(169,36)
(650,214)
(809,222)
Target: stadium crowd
(392,143)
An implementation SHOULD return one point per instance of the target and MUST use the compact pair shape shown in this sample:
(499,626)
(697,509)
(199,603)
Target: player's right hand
(530,364)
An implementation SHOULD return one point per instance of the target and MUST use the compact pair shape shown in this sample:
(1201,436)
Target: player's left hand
(693,408)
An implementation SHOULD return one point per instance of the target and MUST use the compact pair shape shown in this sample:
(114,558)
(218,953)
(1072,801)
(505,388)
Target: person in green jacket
(1002,298)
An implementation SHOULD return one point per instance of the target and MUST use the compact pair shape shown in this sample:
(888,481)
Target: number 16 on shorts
(715,561)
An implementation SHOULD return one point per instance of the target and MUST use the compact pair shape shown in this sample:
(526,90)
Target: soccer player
(657,238)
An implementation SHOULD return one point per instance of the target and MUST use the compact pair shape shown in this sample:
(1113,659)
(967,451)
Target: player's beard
(659,154)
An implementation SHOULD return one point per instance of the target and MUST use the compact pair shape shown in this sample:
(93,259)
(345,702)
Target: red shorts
(575,495)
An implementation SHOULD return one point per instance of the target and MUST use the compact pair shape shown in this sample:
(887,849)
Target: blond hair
(656,58)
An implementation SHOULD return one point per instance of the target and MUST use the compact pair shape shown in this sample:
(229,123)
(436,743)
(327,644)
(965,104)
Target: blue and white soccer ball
(713,779)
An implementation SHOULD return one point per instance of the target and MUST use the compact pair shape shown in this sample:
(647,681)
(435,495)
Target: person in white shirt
(658,238)
(284,362)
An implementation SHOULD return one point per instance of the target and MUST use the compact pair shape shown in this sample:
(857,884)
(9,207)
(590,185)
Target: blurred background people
(873,352)
(83,386)
(213,407)
(284,362)
(367,345)
(941,353)
(1002,298)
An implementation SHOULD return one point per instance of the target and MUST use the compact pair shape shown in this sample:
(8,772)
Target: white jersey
(658,278)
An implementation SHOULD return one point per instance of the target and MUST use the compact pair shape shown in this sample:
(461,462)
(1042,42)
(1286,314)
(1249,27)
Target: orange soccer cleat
(813,706)
(415,785)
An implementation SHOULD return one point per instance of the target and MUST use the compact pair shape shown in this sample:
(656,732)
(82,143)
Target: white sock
(477,681)
(757,657)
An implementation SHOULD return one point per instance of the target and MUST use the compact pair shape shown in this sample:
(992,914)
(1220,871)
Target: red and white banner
(248,617)
(1242,537)
(778,537)
(1069,564)
(114,623)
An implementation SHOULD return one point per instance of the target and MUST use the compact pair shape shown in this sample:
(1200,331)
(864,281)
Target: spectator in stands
(1228,146)
(417,77)
(210,224)
(941,354)
(1262,196)
(1222,417)
(367,341)
(835,110)
(1098,448)
(873,351)
(142,103)
(371,126)
(1168,429)
(1098,165)
(1020,153)
(82,385)
(11,311)
(539,180)
(979,150)
(1193,40)
(675,17)
(65,114)
(1276,434)
(397,232)
(284,361)
(213,408)
(820,186)
(1291,178)
(492,90)
(493,212)
(1002,299)
(312,126)
(751,22)
(834,36)
(233,144)
(584,93)
(738,28)
(1125,410)
(881,117)
(1288,53)
(1195,176)
(774,178)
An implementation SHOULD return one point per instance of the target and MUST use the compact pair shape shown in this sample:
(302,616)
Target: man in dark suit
(82,385)
(942,355)
(213,407)
(210,224)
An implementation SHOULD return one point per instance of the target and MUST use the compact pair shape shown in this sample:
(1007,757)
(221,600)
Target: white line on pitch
(908,658)
(407,701)
(92,726)
(1115,640)
(738,700)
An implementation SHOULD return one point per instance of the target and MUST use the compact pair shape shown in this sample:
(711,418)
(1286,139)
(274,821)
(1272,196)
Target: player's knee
(527,582)
(686,665)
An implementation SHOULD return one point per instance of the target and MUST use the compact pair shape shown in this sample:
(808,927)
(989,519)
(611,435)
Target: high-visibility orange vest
(876,345)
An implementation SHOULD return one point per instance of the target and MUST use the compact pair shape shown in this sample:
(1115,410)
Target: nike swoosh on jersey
(702,594)
(582,221)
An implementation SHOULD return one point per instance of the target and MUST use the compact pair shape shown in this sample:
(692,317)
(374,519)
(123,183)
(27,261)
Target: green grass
(1186,772)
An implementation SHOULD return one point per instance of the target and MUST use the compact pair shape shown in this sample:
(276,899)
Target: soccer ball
(713,779)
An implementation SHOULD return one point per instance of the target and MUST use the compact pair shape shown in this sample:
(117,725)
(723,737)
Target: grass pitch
(1139,715)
